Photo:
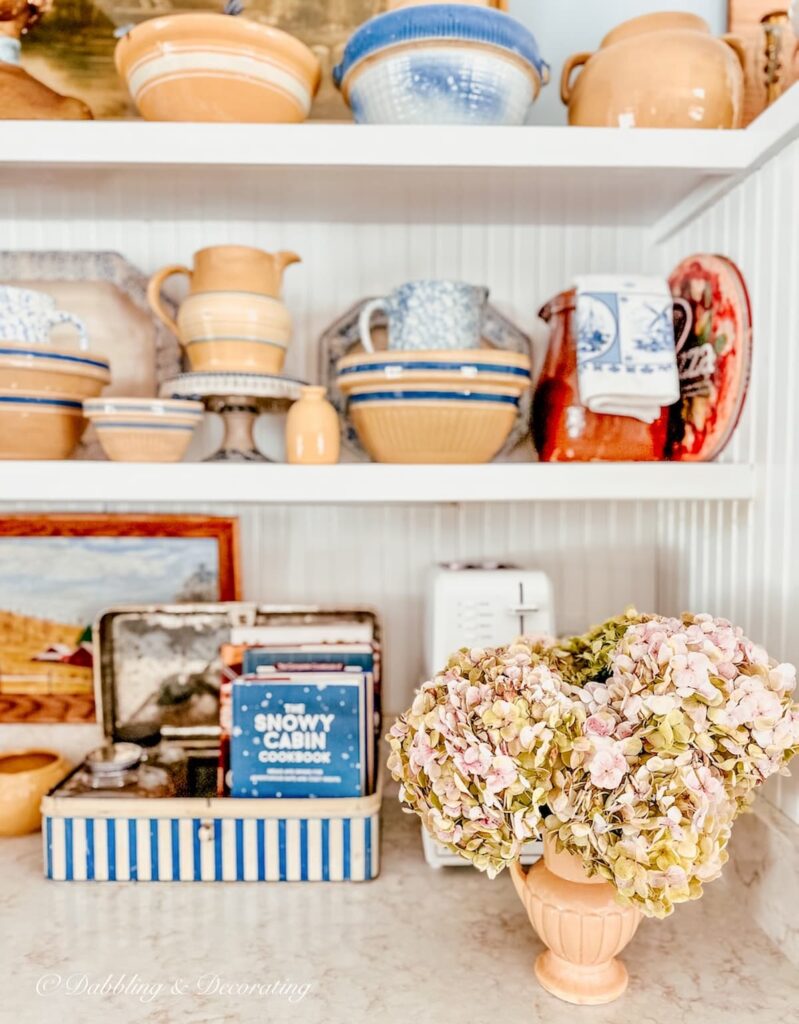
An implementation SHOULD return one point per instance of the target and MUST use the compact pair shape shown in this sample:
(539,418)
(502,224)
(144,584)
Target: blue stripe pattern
(437,396)
(101,364)
(133,853)
(347,853)
(90,849)
(49,834)
(175,850)
(281,848)
(154,866)
(60,403)
(111,840)
(69,848)
(478,368)
(325,850)
(196,844)
(261,846)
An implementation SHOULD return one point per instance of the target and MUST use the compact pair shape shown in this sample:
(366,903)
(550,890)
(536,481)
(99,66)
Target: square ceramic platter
(110,295)
(342,337)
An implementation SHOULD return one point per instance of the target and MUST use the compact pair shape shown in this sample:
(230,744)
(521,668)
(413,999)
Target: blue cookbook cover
(298,735)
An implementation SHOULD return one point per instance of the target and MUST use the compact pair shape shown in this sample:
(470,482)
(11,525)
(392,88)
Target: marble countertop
(416,945)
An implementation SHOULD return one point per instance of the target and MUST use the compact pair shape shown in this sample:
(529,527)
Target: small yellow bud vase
(312,430)
(582,925)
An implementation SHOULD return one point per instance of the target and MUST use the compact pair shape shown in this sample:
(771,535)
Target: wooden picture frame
(46,659)
(744,19)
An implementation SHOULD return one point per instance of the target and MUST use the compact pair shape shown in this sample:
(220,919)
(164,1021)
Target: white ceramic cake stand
(239,398)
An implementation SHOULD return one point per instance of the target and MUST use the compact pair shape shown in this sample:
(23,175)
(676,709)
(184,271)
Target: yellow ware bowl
(433,423)
(144,429)
(39,425)
(456,368)
(25,777)
(68,372)
(214,67)
(234,332)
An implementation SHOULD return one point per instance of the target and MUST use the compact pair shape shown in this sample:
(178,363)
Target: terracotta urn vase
(312,430)
(582,925)
(661,70)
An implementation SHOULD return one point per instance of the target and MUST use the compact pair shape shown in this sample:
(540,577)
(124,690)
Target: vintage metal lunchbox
(161,663)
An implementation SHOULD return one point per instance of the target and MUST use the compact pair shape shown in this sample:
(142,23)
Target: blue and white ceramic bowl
(441,64)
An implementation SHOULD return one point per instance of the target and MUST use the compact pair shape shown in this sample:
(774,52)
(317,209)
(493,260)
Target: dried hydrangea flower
(475,752)
(685,719)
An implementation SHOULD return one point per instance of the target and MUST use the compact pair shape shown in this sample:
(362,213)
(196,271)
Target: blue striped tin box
(324,840)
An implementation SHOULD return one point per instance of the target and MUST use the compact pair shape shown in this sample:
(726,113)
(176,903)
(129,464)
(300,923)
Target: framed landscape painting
(58,571)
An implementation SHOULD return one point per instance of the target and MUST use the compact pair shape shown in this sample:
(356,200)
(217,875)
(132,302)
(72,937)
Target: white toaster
(483,606)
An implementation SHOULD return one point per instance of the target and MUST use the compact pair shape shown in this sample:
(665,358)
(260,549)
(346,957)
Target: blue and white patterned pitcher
(29,316)
(429,315)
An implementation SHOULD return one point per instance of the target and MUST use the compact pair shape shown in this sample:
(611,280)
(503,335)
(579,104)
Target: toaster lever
(524,609)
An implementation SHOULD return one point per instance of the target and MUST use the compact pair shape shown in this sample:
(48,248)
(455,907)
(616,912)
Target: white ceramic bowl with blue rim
(441,64)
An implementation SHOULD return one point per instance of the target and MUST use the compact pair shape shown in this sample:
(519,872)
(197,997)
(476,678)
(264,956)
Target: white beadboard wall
(742,561)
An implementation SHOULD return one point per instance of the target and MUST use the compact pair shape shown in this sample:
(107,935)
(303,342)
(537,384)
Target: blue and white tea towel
(626,362)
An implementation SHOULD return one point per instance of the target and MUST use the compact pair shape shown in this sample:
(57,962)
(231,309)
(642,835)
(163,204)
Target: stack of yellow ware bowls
(434,406)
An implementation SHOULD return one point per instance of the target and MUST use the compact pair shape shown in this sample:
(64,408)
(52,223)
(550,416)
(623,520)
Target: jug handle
(365,321)
(736,44)
(572,62)
(285,259)
(154,299)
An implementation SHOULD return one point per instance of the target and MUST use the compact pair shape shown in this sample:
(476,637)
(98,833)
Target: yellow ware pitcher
(233,319)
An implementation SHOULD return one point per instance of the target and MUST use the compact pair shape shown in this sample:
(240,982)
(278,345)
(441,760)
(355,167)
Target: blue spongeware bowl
(441,64)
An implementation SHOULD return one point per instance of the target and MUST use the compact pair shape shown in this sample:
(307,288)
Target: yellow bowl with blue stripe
(144,429)
(433,423)
(465,368)
(39,424)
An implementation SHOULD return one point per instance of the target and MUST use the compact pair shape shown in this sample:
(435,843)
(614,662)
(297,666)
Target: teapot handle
(736,44)
(572,62)
(154,299)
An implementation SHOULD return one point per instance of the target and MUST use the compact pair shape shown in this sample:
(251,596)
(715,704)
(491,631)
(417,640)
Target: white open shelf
(369,484)
(658,178)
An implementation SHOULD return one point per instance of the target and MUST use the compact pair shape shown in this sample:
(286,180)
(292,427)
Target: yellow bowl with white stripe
(234,332)
(214,67)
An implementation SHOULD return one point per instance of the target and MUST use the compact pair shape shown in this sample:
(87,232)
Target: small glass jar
(117,770)
(563,429)
(157,751)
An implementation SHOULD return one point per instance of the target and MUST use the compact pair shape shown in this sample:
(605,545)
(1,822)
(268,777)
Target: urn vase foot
(583,985)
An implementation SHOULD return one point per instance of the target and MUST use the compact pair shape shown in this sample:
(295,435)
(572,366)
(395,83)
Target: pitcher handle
(365,320)
(154,298)
(60,316)
(736,44)
(572,62)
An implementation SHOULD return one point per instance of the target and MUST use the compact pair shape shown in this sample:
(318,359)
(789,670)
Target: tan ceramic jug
(661,70)
(233,319)
(582,925)
(312,430)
